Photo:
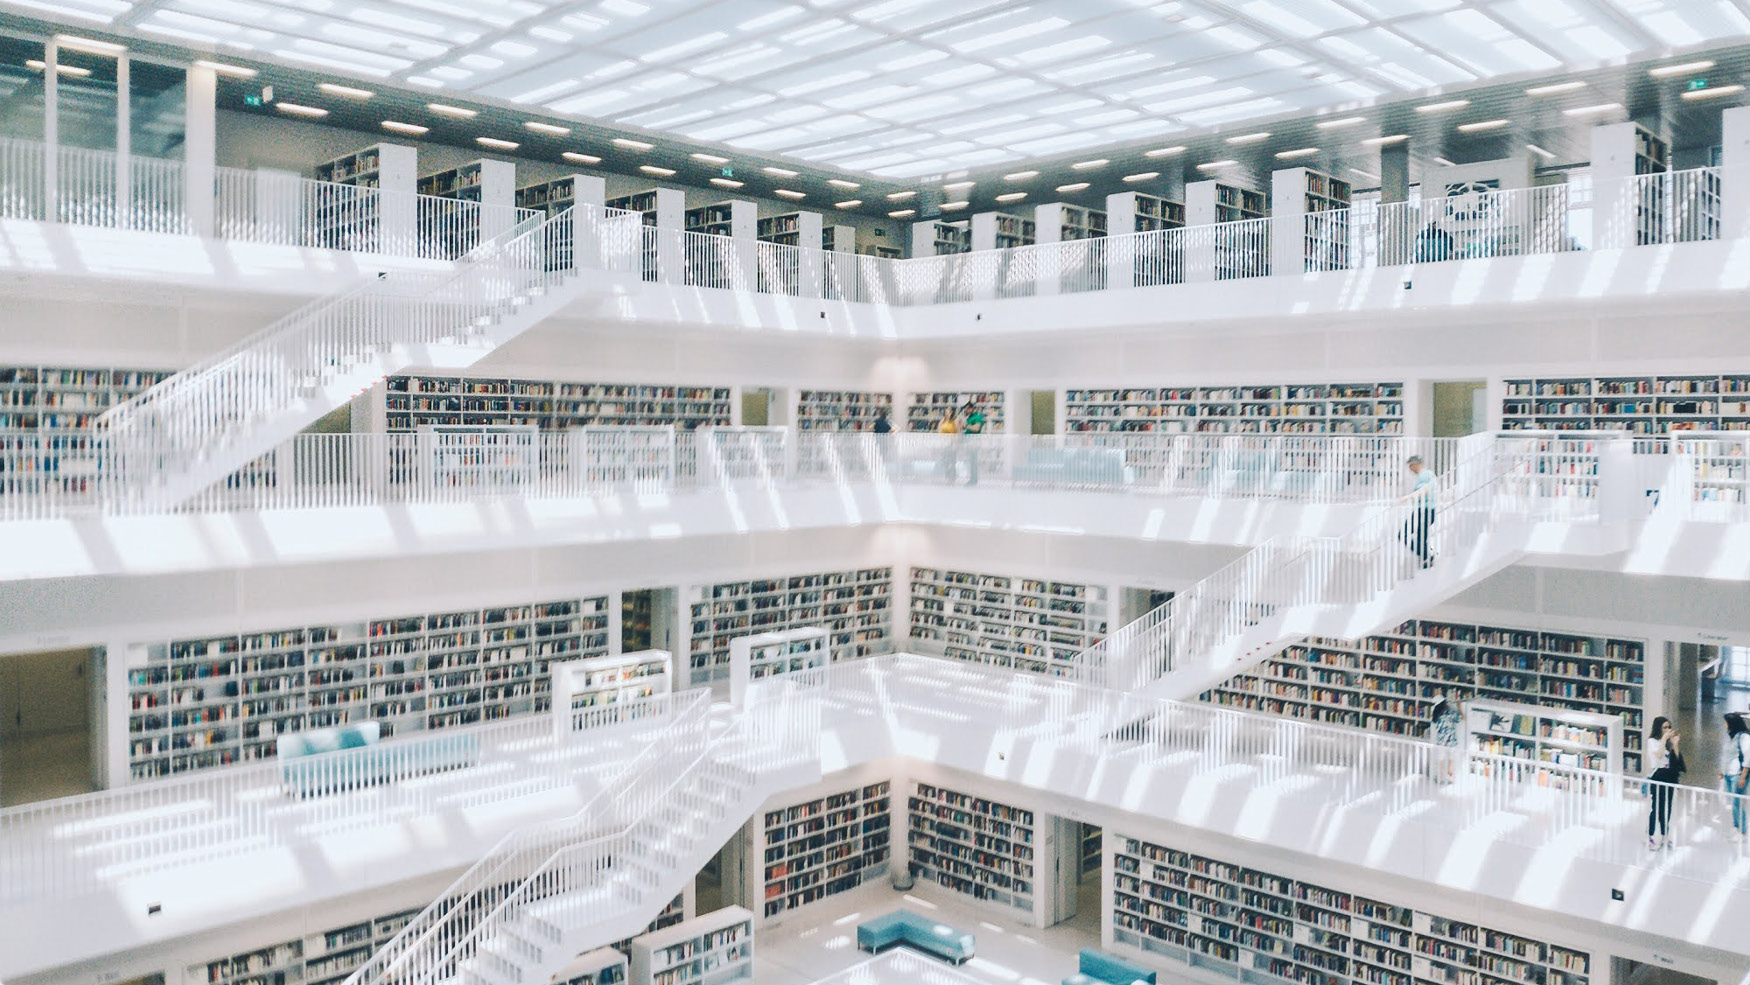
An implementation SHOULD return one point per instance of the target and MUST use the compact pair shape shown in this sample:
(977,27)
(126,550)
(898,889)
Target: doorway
(1624,971)
(1460,408)
(1044,412)
(1134,603)
(647,619)
(46,703)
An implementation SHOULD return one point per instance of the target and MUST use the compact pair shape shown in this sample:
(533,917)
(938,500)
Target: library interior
(858,492)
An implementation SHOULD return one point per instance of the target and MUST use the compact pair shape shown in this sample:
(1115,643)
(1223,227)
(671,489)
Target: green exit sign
(252,100)
(1695,84)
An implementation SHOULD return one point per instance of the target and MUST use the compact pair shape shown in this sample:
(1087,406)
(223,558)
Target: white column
(809,229)
(923,238)
(1735,173)
(1048,229)
(588,226)
(1121,240)
(1613,170)
(200,148)
(51,131)
(124,138)
(1200,242)
(497,198)
(1288,222)
(616,633)
(671,223)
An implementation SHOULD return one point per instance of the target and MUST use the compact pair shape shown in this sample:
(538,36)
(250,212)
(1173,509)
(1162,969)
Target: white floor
(822,943)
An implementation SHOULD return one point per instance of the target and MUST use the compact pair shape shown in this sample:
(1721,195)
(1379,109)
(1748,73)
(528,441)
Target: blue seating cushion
(918,931)
(1105,967)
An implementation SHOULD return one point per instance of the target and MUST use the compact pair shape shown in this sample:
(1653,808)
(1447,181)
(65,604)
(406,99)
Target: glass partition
(22,94)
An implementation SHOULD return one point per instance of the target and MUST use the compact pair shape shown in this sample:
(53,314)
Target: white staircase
(1362,582)
(554,891)
(209,420)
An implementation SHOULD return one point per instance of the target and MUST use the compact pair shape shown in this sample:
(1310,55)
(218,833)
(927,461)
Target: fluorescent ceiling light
(631,144)
(73,70)
(459,112)
(1011,196)
(1166,151)
(1550,90)
(1086,165)
(957,185)
(349,92)
(1020,175)
(1288,155)
(1442,160)
(1216,165)
(1347,121)
(902,213)
(788,193)
(297,110)
(1443,107)
(842,183)
(572,155)
(953,206)
(1592,110)
(1365,174)
(848,204)
(234,71)
(781,172)
(1142,176)
(900,196)
(1694,94)
(1666,71)
(97,47)
(496,143)
(710,158)
(552,128)
(1073,187)
(1481,125)
(1249,138)
(399,127)
(1539,151)
(659,172)
(726,182)
(1396,138)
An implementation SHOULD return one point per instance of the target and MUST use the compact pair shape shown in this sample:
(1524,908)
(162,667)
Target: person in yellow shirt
(950,426)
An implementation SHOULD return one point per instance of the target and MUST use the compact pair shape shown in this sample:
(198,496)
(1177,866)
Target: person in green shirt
(974,425)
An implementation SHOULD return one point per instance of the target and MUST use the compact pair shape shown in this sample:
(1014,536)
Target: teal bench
(1100,968)
(348,757)
(905,927)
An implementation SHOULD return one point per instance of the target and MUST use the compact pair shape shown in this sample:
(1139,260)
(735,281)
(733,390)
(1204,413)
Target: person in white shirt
(1735,766)
(1424,493)
(1664,769)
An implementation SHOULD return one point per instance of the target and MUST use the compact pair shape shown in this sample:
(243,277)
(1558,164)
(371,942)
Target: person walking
(1735,767)
(1665,762)
(974,425)
(1424,493)
(883,441)
(1445,722)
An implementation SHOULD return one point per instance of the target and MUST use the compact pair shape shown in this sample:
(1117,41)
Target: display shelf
(926,409)
(411,402)
(595,682)
(207,702)
(1258,927)
(972,846)
(706,950)
(1556,736)
(326,957)
(603,966)
(821,847)
(841,410)
(673,913)
(1386,683)
(775,654)
(1024,623)
(854,606)
(1638,404)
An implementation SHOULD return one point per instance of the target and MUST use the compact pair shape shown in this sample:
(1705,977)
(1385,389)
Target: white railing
(78,845)
(1477,225)
(315,357)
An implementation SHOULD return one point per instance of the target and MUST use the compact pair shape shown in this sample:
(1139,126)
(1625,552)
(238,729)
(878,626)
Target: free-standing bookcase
(326,957)
(597,682)
(1308,408)
(1143,261)
(1229,253)
(1556,736)
(602,966)
(1258,927)
(663,212)
(936,237)
(385,221)
(767,655)
(1024,623)
(1311,228)
(706,950)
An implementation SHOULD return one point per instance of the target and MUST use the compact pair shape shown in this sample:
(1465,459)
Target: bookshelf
(993,852)
(926,409)
(1259,927)
(595,682)
(854,606)
(1228,255)
(555,196)
(777,654)
(346,221)
(1023,623)
(1060,222)
(411,402)
(1093,848)
(838,239)
(721,219)
(1002,231)
(486,182)
(1137,212)
(208,702)
(662,209)
(841,410)
(474,456)
(1585,740)
(46,415)
(1143,261)
(1311,231)
(812,849)
(1638,404)
(882,252)
(934,237)
(1385,683)
(706,950)
(602,966)
(678,909)
(804,229)
(326,957)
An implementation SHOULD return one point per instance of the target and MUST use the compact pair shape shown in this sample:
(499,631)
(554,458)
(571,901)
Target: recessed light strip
(457,112)
(1682,68)
(552,128)
(234,71)
(1442,107)
(297,109)
(1713,92)
(409,128)
(630,144)
(348,92)
(497,144)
